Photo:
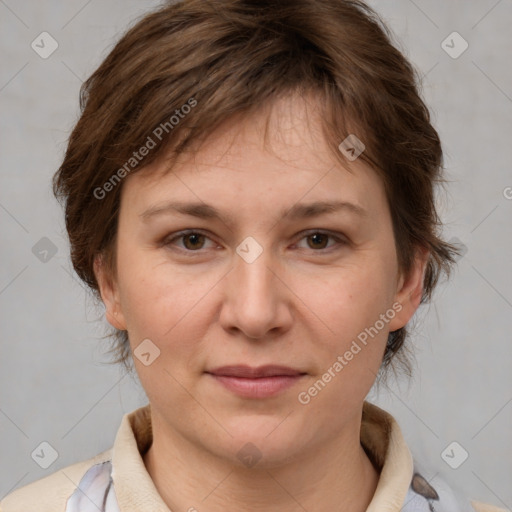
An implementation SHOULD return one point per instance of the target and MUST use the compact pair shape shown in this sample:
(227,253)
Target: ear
(410,290)
(109,294)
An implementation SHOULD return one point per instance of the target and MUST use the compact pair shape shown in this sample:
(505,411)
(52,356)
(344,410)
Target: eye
(319,239)
(192,240)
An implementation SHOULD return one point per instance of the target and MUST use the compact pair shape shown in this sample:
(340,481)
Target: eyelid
(340,238)
(167,240)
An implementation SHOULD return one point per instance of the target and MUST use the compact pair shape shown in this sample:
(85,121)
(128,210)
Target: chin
(265,443)
(262,454)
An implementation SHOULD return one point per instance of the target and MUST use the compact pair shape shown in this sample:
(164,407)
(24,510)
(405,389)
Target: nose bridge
(252,270)
(253,295)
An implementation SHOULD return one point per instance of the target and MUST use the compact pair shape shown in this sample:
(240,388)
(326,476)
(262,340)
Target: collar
(381,438)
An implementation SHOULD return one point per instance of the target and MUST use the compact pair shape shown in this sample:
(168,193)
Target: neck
(336,476)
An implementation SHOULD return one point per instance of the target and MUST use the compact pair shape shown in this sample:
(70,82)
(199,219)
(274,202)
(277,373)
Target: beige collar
(381,438)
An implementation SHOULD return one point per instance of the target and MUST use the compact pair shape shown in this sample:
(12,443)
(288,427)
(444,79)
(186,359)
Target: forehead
(276,155)
(288,128)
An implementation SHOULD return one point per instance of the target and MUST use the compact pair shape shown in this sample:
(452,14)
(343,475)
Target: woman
(250,192)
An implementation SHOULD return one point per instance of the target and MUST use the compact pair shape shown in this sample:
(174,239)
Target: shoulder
(484,507)
(439,495)
(51,493)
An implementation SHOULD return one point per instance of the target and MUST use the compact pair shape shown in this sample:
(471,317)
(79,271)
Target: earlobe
(410,290)
(109,295)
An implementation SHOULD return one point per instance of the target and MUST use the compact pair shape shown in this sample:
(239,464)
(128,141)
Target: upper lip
(249,372)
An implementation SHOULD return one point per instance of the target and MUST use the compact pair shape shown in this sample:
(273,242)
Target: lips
(248,372)
(256,383)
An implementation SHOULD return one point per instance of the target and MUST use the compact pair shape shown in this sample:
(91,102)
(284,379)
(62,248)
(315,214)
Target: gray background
(55,383)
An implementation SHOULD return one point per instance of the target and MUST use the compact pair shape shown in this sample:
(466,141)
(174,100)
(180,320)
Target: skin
(301,303)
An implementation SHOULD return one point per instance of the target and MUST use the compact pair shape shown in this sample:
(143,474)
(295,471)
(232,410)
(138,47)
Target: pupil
(193,236)
(316,235)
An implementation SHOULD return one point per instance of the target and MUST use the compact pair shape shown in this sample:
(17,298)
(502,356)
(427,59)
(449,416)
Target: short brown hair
(231,57)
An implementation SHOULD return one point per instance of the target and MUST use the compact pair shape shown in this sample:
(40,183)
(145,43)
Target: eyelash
(168,241)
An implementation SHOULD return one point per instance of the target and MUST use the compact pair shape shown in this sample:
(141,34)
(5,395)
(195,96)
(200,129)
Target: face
(312,290)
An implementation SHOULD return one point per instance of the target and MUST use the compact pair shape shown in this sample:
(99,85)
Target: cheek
(348,299)
(351,337)
(162,310)
(144,295)
(349,303)
(163,304)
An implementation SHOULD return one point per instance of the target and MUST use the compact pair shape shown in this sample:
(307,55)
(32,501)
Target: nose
(256,300)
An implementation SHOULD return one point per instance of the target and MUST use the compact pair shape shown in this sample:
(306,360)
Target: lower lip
(257,388)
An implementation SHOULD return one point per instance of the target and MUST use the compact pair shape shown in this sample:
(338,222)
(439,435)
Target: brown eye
(188,241)
(196,240)
(319,240)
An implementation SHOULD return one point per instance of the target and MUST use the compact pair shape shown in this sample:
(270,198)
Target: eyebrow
(297,211)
